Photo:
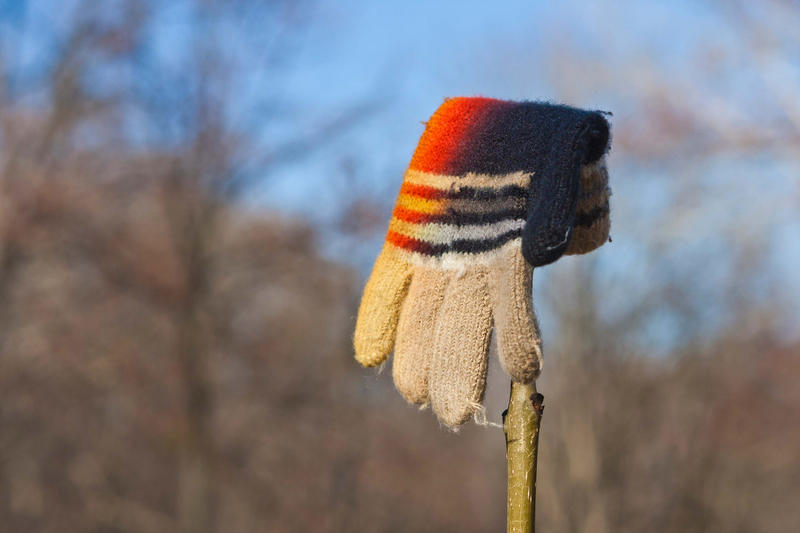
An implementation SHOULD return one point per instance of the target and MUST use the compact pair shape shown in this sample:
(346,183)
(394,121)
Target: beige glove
(453,268)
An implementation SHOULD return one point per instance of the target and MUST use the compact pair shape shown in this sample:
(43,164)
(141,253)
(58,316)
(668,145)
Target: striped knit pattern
(450,220)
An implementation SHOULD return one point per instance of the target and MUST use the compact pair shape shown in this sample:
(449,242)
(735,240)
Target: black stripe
(487,193)
(462,219)
(469,245)
(589,218)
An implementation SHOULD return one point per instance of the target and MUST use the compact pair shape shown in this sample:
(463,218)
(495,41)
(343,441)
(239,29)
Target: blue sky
(412,54)
(405,57)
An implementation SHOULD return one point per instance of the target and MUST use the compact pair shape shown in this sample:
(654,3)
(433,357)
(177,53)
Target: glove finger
(415,334)
(592,222)
(516,330)
(460,347)
(380,308)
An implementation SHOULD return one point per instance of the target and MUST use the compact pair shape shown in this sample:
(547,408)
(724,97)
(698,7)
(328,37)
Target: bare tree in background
(171,359)
(155,225)
(637,435)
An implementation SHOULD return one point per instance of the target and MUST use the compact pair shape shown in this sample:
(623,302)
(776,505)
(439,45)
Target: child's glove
(494,189)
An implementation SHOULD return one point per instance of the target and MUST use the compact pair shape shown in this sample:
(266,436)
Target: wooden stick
(521,426)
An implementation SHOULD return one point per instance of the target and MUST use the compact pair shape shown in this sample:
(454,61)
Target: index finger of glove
(516,331)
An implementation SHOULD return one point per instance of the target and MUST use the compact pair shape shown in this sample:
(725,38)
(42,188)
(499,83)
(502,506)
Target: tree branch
(521,426)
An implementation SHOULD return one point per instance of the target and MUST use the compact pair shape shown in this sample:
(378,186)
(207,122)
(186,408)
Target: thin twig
(521,426)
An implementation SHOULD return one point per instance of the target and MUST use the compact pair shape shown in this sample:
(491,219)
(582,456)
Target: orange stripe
(422,205)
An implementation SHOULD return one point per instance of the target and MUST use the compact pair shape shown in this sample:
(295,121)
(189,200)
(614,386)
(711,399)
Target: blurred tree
(153,223)
(173,359)
(634,442)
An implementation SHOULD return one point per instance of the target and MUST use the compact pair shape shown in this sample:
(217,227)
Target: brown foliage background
(173,358)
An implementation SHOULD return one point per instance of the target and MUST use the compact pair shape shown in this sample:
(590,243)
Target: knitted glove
(494,189)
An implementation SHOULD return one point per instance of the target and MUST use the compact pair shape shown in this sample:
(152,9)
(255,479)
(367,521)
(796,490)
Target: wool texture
(494,189)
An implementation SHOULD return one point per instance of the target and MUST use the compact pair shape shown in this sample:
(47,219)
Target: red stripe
(423,191)
(408,243)
(407,215)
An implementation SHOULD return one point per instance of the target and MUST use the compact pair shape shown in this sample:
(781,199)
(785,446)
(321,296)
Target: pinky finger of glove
(518,341)
(380,308)
(460,348)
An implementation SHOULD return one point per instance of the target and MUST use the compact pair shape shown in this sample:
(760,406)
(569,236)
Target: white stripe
(446,233)
(460,261)
(471,179)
